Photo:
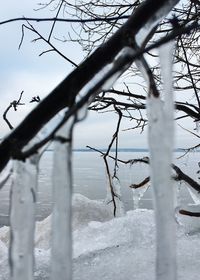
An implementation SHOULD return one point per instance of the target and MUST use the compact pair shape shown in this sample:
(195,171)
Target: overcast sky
(24,70)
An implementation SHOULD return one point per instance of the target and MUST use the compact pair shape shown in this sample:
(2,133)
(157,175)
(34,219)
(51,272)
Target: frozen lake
(90,180)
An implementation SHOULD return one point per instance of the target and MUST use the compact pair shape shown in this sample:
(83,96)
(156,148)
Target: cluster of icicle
(23,193)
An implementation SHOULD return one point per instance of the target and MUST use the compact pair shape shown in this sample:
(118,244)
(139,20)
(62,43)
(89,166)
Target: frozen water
(84,212)
(106,248)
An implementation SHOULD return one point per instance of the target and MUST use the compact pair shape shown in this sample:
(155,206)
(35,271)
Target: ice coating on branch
(82,113)
(94,81)
(61,253)
(116,187)
(22,218)
(138,194)
(49,127)
(161,134)
(155,19)
(105,78)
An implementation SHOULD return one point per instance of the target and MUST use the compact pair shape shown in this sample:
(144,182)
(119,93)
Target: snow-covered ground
(105,248)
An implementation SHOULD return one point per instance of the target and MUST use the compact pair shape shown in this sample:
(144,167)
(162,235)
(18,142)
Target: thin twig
(53,25)
(100,19)
(14,105)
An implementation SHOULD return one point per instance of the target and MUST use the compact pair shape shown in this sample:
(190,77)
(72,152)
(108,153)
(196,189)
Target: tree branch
(65,93)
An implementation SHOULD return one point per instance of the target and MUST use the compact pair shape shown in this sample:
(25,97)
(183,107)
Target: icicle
(138,194)
(118,199)
(198,126)
(22,218)
(160,118)
(62,213)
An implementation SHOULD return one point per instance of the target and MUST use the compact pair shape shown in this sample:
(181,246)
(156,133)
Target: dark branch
(54,19)
(14,105)
(65,93)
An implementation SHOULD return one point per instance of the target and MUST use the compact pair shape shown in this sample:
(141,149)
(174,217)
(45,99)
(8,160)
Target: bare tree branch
(14,104)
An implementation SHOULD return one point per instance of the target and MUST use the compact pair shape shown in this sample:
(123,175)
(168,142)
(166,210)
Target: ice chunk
(84,211)
(118,249)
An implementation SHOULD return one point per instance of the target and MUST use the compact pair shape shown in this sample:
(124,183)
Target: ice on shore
(107,248)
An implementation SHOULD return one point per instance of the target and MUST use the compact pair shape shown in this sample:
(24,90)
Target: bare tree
(130,100)
(93,23)
(147,28)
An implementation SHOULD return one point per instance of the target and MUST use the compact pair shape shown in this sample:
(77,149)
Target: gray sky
(24,70)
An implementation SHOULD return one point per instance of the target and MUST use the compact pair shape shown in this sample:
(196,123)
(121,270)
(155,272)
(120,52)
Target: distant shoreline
(124,150)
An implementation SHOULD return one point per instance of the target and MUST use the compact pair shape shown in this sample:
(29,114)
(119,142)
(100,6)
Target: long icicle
(161,132)
(62,214)
(22,219)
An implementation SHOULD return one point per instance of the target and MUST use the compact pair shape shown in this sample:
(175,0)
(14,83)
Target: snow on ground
(104,248)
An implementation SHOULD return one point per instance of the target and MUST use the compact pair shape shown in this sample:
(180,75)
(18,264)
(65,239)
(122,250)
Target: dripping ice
(160,116)
(61,260)
(22,218)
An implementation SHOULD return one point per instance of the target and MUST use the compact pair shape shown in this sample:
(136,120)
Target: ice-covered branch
(65,93)
(22,219)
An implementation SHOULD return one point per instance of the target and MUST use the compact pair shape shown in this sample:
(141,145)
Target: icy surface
(106,248)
